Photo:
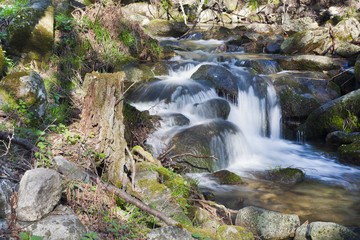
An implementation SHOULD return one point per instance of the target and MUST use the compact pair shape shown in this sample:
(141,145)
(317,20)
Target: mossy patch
(350,153)
(227,232)
(228,178)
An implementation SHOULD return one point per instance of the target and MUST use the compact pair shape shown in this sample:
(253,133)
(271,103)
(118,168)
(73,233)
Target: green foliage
(9,64)
(28,236)
(9,11)
(351,123)
(90,236)
(43,154)
(199,236)
(126,37)
(63,22)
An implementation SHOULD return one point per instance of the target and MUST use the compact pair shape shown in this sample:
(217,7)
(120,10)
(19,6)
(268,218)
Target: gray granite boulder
(169,233)
(70,169)
(324,231)
(39,192)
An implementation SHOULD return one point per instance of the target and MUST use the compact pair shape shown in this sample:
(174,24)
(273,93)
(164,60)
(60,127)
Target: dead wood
(19,141)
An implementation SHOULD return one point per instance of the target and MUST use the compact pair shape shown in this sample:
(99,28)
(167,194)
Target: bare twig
(7,146)
(132,168)
(193,155)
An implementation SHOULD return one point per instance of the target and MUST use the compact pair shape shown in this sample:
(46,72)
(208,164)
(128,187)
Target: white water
(258,146)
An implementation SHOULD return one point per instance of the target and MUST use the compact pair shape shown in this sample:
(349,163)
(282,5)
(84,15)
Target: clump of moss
(227,177)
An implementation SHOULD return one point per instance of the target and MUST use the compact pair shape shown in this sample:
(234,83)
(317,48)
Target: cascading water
(253,142)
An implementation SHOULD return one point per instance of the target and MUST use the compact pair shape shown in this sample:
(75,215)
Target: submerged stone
(227,178)
(289,176)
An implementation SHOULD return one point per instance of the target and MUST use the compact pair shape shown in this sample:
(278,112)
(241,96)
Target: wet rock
(39,192)
(345,80)
(350,153)
(308,63)
(298,25)
(209,196)
(330,117)
(324,230)
(346,49)
(169,233)
(301,93)
(159,68)
(31,33)
(199,140)
(218,77)
(135,72)
(263,66)
(267,224)
(288,176)
(357,70)
(226,177)
(70,169)
(62,224)
(273,48)
(338,138)
(5,194)
(226,232)
(165,28)
(213,108)
(176,119)
(25,86)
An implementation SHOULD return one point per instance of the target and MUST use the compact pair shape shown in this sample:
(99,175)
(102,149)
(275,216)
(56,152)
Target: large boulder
(135,72)
(301,93)
(25,86)
(267,224)
(70,169)
(324,230)
(308,63)
(145,9)
(31,33)
(318,41)
(288,176)
(213,108)
(5,194)
(226,232)
(198,140)
(330,117)
(339,138)
(165,28)
(298,25)
(346,49)
(62,224)
(169,233)
(39,192)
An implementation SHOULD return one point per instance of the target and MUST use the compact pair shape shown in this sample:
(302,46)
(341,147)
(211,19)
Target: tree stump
(102,114)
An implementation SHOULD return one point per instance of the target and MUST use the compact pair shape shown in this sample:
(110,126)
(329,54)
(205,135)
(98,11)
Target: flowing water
(331,189)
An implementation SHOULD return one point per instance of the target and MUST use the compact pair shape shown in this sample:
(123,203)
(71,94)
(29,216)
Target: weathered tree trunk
(102,114)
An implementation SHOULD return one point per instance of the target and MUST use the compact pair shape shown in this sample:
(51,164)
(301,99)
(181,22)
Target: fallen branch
(19,141)
(193,155)
(346,70)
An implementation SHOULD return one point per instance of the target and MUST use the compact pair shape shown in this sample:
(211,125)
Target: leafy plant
(43,155)
(28,236)
(90,236)
(351,123)
(9,11)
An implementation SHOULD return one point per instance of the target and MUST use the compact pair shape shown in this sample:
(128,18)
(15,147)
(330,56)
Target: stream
(331,189)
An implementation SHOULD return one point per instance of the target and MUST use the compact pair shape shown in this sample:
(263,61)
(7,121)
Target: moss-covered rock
(227,178)
(338,138)
(301,93)
(350,153)
(135,72)
(226,232)
(31,34)
(198,215)
(289,176)
(308,63)
(28,87)
(165,28)
(330,117)
(2,60)
(213,108)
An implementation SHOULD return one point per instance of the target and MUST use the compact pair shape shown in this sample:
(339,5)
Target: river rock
(330,117)
(308,63)
(346,49)
(263,66)
(218,77)
(169,233)
(62,224)
(213,108)
(28,87)
(39,192)
(31,33)
(135,72)
(227,232)
(70,169)
(267,224)
(207,16)
(145,9)
(324,230)
(165,28)
(288,176)
(338,138)
(198,140)
(347,30)
(350,153)
(345,80)
(227,178)
(198,215)
(357,70)
(301,93)
(6,191)
(176,119)
(298,25)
